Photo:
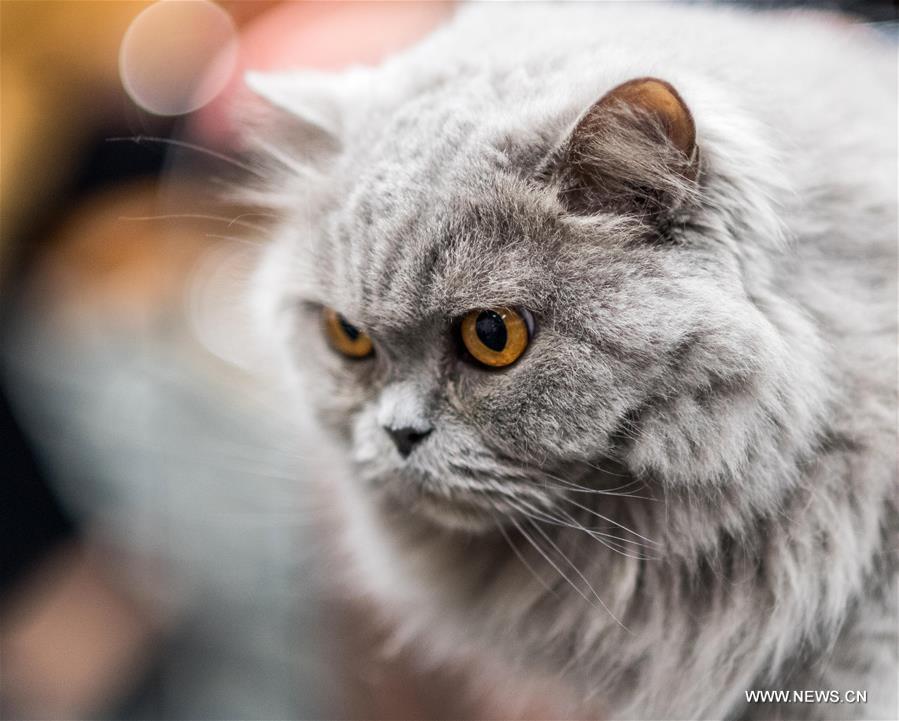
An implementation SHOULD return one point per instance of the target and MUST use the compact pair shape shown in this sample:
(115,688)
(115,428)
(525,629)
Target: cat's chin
(440,512)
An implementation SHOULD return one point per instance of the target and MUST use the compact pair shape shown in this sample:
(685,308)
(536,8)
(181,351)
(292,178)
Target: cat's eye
(344,337)
(496,337)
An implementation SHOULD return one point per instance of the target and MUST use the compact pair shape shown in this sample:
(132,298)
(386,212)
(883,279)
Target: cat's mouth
(447,487)
(447,501)
(417,496)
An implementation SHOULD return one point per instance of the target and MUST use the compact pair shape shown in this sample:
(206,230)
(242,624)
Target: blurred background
(159,556)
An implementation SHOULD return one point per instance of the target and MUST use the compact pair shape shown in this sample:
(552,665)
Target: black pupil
(352,332)
(491,330)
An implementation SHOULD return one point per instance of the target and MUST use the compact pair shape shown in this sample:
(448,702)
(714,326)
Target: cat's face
(479,342)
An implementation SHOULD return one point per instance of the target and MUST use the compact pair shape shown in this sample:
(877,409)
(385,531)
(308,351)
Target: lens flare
(177,55)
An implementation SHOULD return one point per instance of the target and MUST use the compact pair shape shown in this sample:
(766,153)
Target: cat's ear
(308,96)
(303,114)
(634,148)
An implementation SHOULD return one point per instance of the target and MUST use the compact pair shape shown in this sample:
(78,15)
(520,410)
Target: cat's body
(727,343)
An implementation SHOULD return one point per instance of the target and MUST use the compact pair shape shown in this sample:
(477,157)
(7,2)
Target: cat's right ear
(300,120)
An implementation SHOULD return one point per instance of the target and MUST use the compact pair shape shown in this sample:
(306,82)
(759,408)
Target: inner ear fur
(633,149)
(659,100)
(297,122)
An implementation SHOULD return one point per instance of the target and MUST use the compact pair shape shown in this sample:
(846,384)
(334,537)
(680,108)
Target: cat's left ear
(303,116)
(634,147)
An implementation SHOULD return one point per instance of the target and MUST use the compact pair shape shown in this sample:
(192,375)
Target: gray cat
(601,303)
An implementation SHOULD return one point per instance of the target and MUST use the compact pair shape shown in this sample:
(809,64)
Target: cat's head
(490,304)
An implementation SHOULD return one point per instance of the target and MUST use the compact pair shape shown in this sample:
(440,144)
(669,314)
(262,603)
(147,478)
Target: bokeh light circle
(177,55)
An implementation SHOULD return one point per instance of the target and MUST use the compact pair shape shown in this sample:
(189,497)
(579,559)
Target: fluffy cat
(684,488)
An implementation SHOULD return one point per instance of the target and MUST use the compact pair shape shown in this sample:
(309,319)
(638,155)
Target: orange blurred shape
(72,640)
(122,258)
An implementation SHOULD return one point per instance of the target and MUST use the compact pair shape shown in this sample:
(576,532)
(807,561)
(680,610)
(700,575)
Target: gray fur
(686,487)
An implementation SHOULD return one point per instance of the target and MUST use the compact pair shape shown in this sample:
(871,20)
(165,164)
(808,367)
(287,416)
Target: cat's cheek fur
(336,388)
(752,401)
(518,410)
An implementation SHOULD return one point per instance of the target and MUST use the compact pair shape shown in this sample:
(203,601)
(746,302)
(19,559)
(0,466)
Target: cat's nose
(405,439)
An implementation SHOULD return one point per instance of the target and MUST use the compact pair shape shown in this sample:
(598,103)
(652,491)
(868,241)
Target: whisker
(613,543)
(275,153)
(524,472)
(634,482)
(609,520)
(487,480)
(235,239)
(529,511)
(578,572)
(577,488)
(521,557)
(256,214)
(607,471)
(194,216)
(550,561)
(571,488)
(576,525)
(138,139)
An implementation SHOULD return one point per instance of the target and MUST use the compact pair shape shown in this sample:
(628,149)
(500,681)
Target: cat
(599,302)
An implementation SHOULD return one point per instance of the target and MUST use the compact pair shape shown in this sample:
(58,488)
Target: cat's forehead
(396,255)
(431,213)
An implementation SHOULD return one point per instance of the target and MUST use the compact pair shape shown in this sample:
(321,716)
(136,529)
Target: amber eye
(344,337)
(496,337)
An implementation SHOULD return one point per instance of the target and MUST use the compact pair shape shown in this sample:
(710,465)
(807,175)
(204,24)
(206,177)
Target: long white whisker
(550,561)
(578,572)
(607,471)
(623,488)
(235,239)
(609,520)
(303,171)
(615,491)
(613,543)
(521,557)
(576,488)
(572,522)
(194,216)
(138,139)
